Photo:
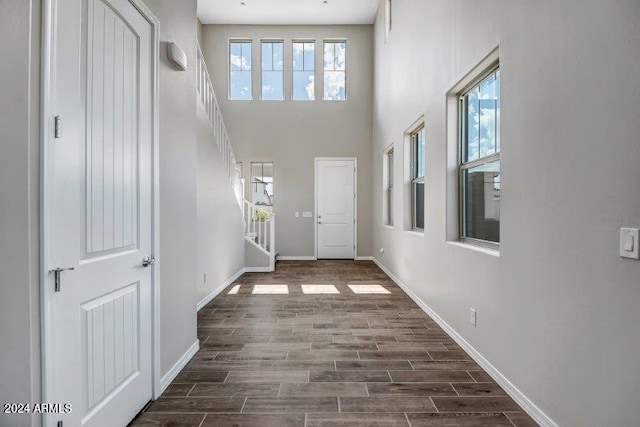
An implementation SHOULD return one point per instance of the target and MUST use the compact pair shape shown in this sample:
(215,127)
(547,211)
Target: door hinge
(56,276)
(57,127)
(59,424)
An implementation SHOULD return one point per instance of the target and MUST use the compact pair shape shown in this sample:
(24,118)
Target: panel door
(99,213)
(336,209)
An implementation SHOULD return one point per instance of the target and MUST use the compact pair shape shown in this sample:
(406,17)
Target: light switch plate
(629,243)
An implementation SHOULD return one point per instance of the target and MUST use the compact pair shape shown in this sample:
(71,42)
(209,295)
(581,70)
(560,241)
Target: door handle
(319,222)
(148,261)
(56,276)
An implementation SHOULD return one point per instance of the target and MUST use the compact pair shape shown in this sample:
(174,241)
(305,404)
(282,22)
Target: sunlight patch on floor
(270,289)
(319,289)
(234,290)
(368,289)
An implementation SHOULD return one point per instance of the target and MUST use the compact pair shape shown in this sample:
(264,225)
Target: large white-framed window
(304,70)
(335,70)
(417,174)
(272,70)
(388,178)
(479,159)
(240,81)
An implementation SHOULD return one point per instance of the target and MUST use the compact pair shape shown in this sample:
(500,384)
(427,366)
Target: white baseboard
(365,258)
(179,365)
(296,258)
(257,269)
(206,300)
(529,407)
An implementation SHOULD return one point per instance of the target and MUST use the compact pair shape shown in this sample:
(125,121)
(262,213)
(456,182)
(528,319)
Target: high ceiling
(287,12)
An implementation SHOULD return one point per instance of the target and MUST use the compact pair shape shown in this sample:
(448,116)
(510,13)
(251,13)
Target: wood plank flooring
(342,359)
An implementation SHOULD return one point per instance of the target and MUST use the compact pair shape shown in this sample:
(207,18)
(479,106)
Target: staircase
(260,236)
(260,251)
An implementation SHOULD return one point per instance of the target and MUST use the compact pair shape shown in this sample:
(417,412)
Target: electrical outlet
(381,250)
(472,316)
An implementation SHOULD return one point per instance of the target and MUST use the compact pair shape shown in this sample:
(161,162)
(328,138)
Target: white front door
(98,186)
(335,201)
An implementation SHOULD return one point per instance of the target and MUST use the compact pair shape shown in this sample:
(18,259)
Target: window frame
(414,179)
(389,185)
(470,164)
(324,70)
(262,70)
(315,68)
(252,181)
(239,40)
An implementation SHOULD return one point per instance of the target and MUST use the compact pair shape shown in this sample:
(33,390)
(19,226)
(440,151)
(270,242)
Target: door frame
(355,202)
(48,26)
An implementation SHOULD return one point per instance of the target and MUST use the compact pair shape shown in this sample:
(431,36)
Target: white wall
(19,206)
(221,252)
(557,309)
(292,133)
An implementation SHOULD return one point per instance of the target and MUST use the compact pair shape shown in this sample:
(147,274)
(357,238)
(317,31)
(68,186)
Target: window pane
(235,56)
(329,56)
(303,85)
(246,56)
(272,86)
(390,206)
(481,190)
(278,56)
(419,153)
(262,184)
(267,56)
(309,56)
(472,118)
(390,168)
(418,205)
(298,56)
(488,107)
(498,111)
(241,85)
(340,55)
(334,85)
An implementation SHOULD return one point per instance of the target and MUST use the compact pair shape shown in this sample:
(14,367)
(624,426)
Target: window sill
(477,248)
(415,232)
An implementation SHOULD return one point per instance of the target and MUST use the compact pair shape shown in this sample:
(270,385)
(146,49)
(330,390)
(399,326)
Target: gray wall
(19,206)
(221,251)
(178,182)
(557,310)
(293,133)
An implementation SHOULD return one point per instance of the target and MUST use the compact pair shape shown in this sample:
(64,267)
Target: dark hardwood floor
(345,359)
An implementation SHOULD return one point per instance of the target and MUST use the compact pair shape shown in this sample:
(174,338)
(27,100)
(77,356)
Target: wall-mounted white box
(629,243)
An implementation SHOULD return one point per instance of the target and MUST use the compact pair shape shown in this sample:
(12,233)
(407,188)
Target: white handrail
(208,98)
(260,229)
